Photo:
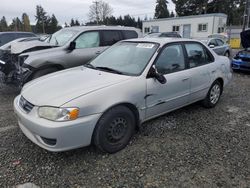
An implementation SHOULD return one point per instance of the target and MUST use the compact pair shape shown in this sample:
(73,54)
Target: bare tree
(99,10)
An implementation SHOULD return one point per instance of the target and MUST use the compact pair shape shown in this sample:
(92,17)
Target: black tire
(114,129)
(213,95)
(227,54)
(43,72)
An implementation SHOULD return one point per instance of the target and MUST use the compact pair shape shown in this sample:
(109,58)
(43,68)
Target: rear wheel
(227,54)
(114,130)
(43,72)
(213,95)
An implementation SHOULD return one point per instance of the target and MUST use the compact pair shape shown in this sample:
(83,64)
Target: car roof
(9,32)
(161,41)
(86,28)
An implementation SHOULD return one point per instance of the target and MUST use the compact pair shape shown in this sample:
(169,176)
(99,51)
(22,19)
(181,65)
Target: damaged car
(69,47)
(9,64)
(241,61)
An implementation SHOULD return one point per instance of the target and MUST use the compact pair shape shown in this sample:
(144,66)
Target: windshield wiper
(89,66)
(56,41)
(109,70)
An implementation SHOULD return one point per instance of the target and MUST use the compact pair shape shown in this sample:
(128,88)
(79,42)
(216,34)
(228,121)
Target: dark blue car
(242,59)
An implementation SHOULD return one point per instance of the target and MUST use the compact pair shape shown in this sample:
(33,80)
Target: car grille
(25,105)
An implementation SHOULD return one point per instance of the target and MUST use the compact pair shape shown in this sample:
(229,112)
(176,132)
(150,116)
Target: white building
(198,26)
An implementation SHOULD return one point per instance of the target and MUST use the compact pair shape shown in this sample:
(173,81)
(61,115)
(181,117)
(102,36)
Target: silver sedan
(219,46)
(103,102)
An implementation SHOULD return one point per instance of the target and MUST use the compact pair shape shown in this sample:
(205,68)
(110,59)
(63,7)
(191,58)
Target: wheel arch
(130,106)
(221,81)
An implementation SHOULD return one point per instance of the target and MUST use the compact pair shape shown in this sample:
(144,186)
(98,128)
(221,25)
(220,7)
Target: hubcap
(215,94)
(117,129)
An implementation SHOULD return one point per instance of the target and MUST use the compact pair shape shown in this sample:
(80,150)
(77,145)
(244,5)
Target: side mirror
(72,46)
(154,74)
(211,46)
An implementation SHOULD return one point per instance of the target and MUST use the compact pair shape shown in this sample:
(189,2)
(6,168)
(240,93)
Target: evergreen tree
(77,23)
(161,9)
(139,23)
(3,24)
(233,8)
(53,25)
(42,19)
(72,23)
(16,25)
(172,14)
(26,23)
(66,25)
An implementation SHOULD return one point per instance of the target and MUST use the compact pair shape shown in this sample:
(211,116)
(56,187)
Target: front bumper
(240,65)
(55,136)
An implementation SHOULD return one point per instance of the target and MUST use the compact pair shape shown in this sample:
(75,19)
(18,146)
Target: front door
(162,98)
(87,47)
(187,31)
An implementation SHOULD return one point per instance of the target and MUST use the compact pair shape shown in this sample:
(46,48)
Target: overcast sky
(64,10)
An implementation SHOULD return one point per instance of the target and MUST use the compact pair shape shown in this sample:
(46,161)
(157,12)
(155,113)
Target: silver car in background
(219,46)
(104,101)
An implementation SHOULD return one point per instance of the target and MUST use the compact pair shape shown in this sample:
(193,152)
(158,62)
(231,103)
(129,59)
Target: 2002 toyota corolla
(104,101)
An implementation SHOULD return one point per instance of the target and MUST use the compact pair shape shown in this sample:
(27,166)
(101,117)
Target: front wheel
(114,130)
(213,95)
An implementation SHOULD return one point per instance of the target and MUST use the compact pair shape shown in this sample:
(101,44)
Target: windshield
(61,37)
(129,58)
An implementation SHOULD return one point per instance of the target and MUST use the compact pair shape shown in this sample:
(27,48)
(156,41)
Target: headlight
(58,114)
(2,62)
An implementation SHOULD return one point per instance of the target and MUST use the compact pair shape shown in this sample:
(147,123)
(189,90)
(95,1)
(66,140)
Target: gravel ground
(191,147)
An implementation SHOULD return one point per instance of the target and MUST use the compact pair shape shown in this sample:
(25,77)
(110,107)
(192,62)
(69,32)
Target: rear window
(129,34)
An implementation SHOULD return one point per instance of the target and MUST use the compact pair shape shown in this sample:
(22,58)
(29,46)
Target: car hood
(59,88)
(20,47)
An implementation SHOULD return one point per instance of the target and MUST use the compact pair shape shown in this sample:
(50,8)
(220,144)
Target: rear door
(201,69)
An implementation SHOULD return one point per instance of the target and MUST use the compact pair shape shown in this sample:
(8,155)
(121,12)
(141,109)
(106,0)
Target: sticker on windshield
(145,45)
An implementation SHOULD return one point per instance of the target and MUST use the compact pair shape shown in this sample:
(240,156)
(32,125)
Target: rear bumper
(56,136)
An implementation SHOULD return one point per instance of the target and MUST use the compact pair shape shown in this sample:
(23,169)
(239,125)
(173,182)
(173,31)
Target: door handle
(185,79)
(98,52)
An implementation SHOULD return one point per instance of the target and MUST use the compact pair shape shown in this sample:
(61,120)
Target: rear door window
(197,55)
(129,34)
(213,42)
(110,37)
(219,42)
